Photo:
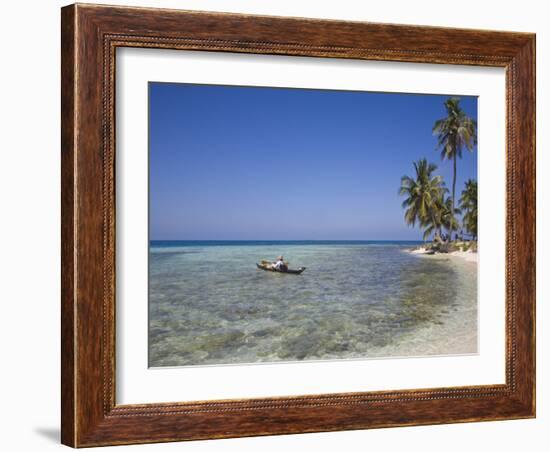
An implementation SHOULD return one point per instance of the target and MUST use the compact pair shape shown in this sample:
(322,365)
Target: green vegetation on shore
(428,202)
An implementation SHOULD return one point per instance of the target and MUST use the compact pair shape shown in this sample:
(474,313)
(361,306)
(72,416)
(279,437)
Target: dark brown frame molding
(90,35)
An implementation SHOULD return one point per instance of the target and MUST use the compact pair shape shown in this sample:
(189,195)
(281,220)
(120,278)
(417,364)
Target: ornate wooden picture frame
(90,37)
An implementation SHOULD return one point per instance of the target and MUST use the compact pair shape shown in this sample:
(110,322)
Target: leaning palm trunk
(437,232)
(454,184)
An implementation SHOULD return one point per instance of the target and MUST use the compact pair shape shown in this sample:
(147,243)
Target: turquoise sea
(209,304)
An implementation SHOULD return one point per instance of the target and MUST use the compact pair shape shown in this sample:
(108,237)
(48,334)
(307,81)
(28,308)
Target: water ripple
(212,306)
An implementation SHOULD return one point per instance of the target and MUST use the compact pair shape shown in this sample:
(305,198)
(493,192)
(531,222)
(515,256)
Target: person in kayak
(279,264)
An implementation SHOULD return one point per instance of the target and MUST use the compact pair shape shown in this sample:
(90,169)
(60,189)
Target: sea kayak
(268,268)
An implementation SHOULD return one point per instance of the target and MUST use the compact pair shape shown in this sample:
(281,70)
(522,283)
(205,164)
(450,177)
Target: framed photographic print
(280,225)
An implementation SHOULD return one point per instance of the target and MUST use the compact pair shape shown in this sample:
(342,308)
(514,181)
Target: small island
(449,227)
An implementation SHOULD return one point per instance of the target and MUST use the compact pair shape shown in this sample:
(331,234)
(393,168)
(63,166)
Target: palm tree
(454,133)
(448,215)
(468,203)
(423,194)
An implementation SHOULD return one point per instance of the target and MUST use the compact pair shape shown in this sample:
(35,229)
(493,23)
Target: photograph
(291,225)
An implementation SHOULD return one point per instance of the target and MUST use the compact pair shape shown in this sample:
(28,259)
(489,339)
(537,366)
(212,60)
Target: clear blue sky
(244,163)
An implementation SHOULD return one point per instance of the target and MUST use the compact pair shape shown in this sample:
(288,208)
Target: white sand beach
(468,256)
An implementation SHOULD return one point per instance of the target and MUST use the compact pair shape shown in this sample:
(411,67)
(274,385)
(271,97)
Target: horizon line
(286,240)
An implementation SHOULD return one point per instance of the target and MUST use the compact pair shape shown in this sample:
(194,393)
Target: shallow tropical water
(209,304)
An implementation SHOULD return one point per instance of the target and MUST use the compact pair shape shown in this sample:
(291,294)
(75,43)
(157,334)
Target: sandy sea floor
(210,305)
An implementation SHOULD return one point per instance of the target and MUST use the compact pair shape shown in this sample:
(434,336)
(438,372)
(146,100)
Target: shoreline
(467,256)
